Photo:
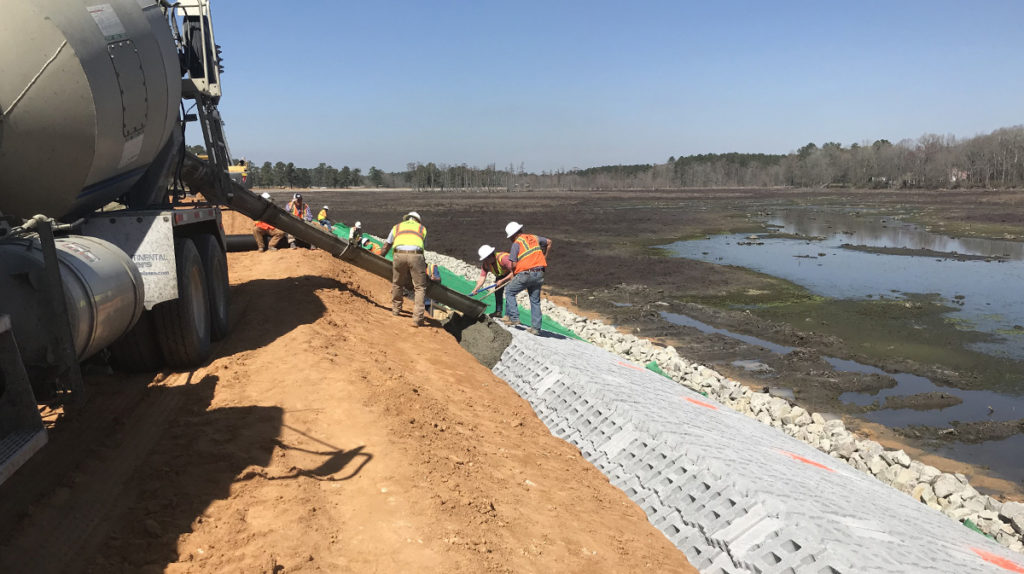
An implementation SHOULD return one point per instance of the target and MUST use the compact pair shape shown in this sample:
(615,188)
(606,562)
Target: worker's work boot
(508,321)
(533,331)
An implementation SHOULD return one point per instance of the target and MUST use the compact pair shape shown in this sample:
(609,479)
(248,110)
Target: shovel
(485,289)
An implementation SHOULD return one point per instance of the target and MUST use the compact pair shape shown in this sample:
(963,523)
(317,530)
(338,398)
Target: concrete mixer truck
(99,252)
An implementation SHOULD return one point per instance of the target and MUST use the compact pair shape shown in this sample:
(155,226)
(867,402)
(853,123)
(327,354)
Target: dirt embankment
(325,436)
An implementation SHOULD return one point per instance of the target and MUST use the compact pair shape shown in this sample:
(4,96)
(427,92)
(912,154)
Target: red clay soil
(324,436)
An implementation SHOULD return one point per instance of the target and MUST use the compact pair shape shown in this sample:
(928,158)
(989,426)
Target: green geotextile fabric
(465,286)
(969,524)
(653,366)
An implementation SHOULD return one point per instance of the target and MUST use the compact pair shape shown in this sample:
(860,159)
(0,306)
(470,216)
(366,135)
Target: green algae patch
(752,290)
(894,331)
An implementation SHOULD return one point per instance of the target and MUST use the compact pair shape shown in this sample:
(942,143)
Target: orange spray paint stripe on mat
(799,458)
(623,364)
(702,403)
(998,560)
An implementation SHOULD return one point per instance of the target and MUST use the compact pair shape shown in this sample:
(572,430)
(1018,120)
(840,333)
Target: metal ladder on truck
(21,428)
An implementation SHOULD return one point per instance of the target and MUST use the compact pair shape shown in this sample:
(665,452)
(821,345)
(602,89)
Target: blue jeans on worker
(531,281)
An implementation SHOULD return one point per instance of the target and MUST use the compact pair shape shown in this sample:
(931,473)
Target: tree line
(994,160)
(282,174)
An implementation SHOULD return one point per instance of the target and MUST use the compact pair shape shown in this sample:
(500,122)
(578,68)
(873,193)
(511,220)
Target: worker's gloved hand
(475,291)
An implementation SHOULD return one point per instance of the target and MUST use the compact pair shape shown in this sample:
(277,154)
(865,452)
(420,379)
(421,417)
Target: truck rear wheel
(138,351)
(183,325)
(215,265)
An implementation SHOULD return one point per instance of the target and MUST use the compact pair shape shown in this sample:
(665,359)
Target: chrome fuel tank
(103,291)
(89,94)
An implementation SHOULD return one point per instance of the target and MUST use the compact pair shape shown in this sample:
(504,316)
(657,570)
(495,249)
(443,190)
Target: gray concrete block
(733,494)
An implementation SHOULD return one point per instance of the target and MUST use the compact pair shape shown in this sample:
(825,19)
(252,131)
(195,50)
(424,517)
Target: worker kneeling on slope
(323,218)
(409,264)
(496,262)
(262,229)
(528,258)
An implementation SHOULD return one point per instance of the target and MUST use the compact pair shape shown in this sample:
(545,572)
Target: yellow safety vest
(409,232)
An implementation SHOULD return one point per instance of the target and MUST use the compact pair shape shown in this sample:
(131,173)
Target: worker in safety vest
(409,264)
(370,246)
(355,233)
(321,218)
(299,209)
(528,257)
(262,229)
(496,263)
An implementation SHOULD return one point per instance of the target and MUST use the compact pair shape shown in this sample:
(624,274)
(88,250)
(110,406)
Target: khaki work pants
(409,268)
(275,235)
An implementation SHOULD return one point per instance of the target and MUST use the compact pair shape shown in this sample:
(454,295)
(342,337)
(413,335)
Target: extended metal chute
(217,187)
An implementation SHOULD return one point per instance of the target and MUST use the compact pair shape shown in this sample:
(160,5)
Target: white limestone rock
(897,457)
(945,485)
(1013,513)
(877,465)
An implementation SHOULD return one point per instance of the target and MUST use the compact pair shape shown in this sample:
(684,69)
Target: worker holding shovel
(528,256)
(495,262)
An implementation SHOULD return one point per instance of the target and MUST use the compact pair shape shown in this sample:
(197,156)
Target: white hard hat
(413,214)
(358,225)
(325,207)
(512,228)
(364,241)
(265,195)
(485,251)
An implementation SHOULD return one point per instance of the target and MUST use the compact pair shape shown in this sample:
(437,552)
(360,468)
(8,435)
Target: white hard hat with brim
(485,251)
(512,228)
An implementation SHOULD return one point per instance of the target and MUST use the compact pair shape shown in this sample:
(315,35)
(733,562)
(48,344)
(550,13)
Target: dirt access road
(325,436)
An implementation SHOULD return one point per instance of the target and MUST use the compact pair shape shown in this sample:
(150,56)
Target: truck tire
(183,325)
(215,265)
(138,351)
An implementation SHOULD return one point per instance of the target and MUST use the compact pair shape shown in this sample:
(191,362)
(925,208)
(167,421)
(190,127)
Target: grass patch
(755,290)
(891,330)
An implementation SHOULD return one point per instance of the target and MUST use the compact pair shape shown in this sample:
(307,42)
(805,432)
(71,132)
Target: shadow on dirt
(161,459)
(265,309)
(193,461)
(197,460)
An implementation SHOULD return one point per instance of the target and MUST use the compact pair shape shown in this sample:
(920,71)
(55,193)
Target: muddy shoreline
(605,262)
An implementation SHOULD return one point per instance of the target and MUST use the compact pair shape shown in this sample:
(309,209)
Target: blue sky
(564,84)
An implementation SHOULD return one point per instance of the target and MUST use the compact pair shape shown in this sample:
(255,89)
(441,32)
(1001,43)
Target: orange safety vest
(497,269)
(530,253)
(264,225)
(409,232)
(375,249)
(300,212)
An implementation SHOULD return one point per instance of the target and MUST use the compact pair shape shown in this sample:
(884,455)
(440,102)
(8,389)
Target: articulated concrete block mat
(733,494)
